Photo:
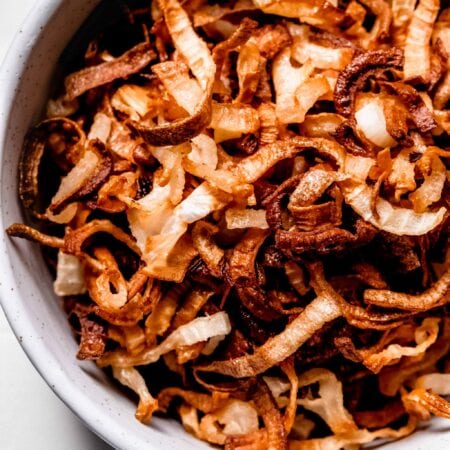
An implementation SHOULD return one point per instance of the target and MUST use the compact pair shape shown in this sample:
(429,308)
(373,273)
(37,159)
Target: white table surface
(31,416)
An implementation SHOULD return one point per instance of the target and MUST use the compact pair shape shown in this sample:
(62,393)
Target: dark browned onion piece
(433,297)
(93,335)
(363,66)
(26,232)
(31,157)
(355,315)
(420,114)
(347,136)
(270,413)
(132,61)
(242,275)
(74,239)
(324,242)
(272,202)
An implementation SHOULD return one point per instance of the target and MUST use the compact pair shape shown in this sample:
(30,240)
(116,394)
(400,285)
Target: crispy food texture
(245,206)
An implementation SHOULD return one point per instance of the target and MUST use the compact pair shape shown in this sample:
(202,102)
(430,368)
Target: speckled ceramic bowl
(25,284)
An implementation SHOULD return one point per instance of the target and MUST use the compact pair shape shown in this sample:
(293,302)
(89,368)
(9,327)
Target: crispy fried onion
(69,275)
(248,71)
(297,278)
(357,437)
(296,88)
(92,340)
(424,336)
(209,251)
(207,14)
(273,421)
(353,77)
(26,232)
(384,215)
(131,378)
(392,378)
(434,173)
(88,174)
(249,169)
(130,62)
(166,255)
(138,306)
(192,305)
(135,101)
(325,241)
(372,121)
(321,125)
(355,315)
(421,404)
(420,114)
(203,157)
(322,57)
(69,142)
(417,45)
(242,274)
(246,218)
(276,349)
(107,287)
(236,418)
(322,14)
(402,12)
(232,120)
(198,330)
(224,417)
(74,239)
(329,403)
(200,62)
(435,296)
(380,29)
(402,174)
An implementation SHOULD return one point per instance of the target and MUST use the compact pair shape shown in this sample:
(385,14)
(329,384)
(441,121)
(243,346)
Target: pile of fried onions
(246,210)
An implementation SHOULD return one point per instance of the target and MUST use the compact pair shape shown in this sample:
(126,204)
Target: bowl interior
(27,296)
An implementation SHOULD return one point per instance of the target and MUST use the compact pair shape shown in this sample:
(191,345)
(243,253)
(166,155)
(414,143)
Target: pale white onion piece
(238,418)
(400,221)
(130,377)
(358,167)
(287,79)
(78,176)
(439,383)
(330,401)
(322,57)
(132,100)
(69,275)
(200,329)
(203,157)
(100,128)
(372,122)
(65,216)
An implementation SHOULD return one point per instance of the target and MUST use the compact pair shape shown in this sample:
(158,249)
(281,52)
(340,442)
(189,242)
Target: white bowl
(26,290)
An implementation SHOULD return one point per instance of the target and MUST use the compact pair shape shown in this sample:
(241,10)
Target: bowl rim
(12,69)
